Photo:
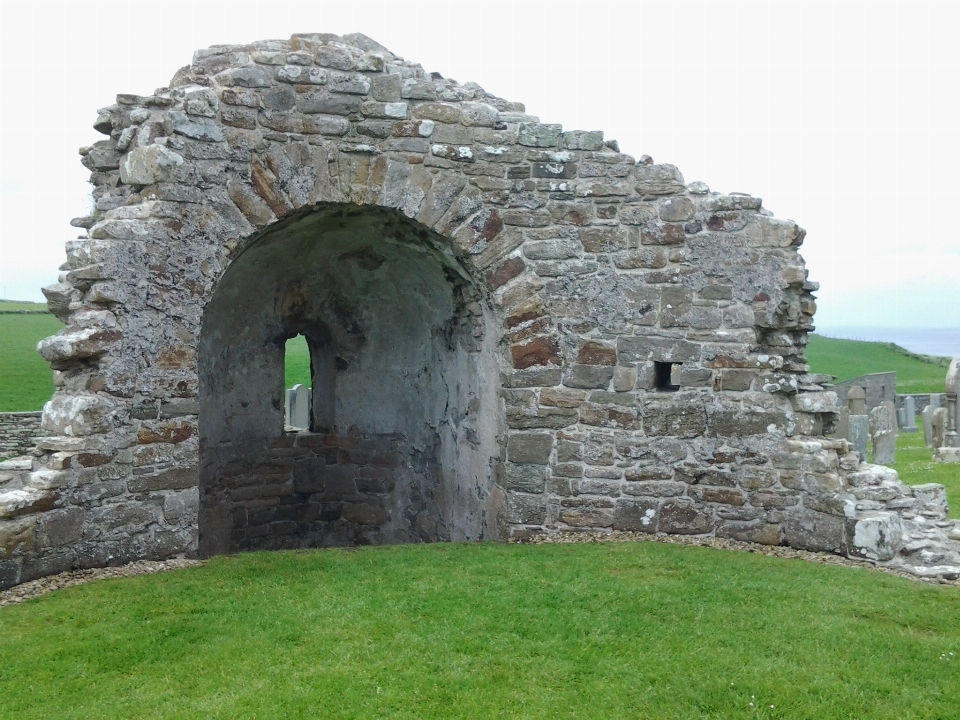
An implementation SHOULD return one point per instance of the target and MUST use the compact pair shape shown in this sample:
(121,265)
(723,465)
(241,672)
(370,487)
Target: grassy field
(849,358)
(613,630)
(297,361)
(914,464)
(26,381)
(17,306)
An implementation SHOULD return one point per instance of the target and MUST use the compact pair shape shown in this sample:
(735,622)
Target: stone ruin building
(513,329)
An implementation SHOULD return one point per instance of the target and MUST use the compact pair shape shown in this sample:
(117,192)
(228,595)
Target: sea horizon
(941,342)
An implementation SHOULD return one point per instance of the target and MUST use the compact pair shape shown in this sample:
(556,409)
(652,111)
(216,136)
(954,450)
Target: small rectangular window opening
(666,376)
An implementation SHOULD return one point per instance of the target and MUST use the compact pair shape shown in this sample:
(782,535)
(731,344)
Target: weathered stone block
(78,415)
(756,531)
(539,135)
(682,516)
(876,536)
(526,509)
(680,418)
(811,530)
(173,479)
(588,376)
(658,349)
(24,501)
(529,447)
(603,239)
(655,488)
(16,538)
(676,209)
(592,517)
(60,527)
(539,351)
(582,140)
(365,514)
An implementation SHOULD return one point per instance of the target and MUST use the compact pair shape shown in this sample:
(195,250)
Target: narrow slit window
(667,376)
(296,385)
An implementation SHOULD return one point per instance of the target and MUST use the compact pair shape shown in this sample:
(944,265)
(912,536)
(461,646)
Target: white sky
(840,115)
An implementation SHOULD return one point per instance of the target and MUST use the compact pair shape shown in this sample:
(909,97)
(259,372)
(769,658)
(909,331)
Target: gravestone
(298,407)
(883,433)
(927,415)
(949,448)
(910,413)
(939,427)
(901,417)
(858,424)
(843,423)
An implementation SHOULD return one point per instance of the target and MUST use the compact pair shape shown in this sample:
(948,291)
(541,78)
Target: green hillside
(849,358)
(19,306)
(26,381)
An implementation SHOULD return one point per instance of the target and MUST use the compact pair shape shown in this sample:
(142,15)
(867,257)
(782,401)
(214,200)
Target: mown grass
(26,381)
(850,358)
(485,631)
(297,363)
(915,466)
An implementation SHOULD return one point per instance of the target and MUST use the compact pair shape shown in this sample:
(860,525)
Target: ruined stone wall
(644,337)
(877,387)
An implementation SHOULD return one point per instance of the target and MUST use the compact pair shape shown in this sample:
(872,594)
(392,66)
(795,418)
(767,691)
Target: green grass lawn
(613,630)
(915,466)
(297,362)
(26,381)
(850,358)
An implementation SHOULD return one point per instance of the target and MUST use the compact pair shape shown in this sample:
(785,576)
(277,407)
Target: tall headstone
(857,422)
(298,407)
(883,433)
(949,448)
(927,415)
(843,423)
(901,417)
(910,411)
(939,427)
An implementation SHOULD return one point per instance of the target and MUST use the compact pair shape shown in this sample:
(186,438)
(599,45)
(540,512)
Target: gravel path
(42,586)
(35,588)
(780,551)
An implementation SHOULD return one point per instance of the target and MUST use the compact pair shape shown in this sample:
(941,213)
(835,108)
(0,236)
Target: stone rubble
(515,330)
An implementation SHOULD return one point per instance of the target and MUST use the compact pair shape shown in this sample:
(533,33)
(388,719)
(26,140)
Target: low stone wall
(922,400)
(17,431)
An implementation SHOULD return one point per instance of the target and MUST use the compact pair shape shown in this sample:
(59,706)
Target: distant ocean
(943,342)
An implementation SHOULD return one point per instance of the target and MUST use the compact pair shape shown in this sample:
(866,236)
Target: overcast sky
(840,115)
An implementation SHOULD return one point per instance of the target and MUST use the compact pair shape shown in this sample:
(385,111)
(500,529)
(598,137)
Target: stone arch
(407,415)
(595,275)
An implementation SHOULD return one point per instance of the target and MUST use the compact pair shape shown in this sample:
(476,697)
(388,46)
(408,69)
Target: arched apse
(402,444)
